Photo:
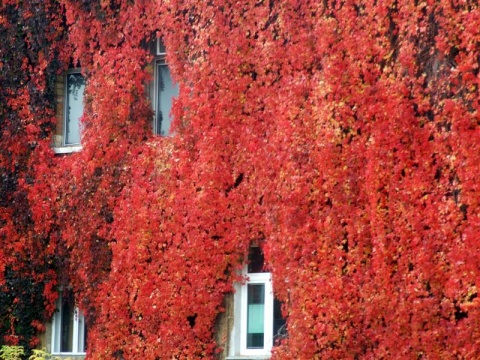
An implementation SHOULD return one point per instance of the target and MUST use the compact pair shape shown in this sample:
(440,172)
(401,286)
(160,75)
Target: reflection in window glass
(69,328)
(66,327)
(279,330)
(255,316)
(74,107)
(256,260)
(166,90)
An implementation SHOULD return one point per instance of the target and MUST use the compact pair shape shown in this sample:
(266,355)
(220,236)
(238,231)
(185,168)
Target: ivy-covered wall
(22,310)
(341,136)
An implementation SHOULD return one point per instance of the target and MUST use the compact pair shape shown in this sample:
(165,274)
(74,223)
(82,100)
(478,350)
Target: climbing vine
(341,136)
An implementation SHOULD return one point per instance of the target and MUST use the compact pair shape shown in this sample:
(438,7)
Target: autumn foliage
(341,136)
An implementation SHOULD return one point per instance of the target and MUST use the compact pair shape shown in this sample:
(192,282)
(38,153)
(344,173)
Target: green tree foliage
(11,352)
(342,136)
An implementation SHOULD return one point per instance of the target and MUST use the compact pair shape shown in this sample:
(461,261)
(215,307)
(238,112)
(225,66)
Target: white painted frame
(264,279)
(78,334)
(238,335)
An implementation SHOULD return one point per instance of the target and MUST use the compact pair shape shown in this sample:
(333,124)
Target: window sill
(69,355)
(248,357)
(67,149)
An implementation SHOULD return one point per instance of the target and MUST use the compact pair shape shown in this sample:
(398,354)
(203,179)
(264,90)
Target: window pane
(279,330)
(75,90)
(166,91)
(161,50)
(255,260)
(66,327)
(255,316)
(82,333)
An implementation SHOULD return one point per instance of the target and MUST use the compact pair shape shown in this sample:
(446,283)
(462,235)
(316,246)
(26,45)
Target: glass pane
(160,47)
(255,316)
(166,91)
(255,260)
(85,336)
(75,90)
(57,327)
(66,327)
(279,330)
(82,333)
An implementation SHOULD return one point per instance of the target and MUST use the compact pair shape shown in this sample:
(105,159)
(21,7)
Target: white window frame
(78,333)
(238,336)
(264,279)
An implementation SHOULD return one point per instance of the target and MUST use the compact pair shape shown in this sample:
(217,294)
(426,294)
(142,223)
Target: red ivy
(342,136)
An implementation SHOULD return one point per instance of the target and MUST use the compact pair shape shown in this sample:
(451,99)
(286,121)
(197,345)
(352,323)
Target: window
(258,320)
(69,332)
(70,94)
(75,87)
(162,93)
